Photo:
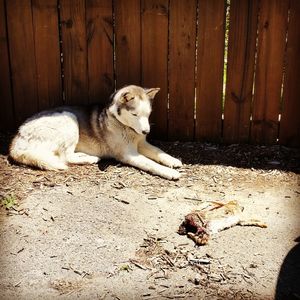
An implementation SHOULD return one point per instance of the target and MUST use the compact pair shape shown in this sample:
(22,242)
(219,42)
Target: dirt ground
(109,231)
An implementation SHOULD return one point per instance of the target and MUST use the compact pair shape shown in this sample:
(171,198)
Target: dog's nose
(145,132)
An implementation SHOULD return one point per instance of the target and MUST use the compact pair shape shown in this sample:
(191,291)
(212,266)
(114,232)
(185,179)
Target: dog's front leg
(138,160)
(158,155)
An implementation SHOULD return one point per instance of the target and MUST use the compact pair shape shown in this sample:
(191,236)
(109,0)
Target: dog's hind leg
(51,163)
(38,157)
(81,158)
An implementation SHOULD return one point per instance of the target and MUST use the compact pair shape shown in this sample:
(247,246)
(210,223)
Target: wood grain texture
(155,61)
(269,70)
(47,53)
(182,58)
(74,45)
(210,61)
(128,42)
(240,70)
(290,118)
(22,58)
(7,110)
(99,22)
(154,43)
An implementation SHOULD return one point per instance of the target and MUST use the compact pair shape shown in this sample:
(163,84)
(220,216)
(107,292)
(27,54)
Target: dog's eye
(134,114)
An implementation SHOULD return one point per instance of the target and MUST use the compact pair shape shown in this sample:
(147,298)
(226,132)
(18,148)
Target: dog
(65,135)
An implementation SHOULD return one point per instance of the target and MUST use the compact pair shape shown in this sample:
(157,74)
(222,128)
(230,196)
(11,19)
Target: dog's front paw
(172,162)
(176,163)
(171,174)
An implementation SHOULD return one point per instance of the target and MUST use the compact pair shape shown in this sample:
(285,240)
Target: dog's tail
(39,157)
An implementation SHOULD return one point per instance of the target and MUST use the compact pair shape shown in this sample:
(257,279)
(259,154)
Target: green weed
(8,201)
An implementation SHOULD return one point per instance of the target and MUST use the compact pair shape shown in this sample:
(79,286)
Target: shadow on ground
(288,284)
(241,156)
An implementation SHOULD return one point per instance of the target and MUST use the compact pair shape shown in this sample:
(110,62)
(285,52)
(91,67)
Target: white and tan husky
(82,135)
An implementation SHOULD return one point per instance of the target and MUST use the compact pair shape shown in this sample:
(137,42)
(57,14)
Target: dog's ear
(152,92)
(126,97)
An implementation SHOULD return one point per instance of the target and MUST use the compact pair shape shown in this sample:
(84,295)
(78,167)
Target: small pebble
(197,279)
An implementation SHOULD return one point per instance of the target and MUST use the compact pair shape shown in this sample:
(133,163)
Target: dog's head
(132,105)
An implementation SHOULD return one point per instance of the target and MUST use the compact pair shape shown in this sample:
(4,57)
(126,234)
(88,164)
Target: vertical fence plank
(290,118)
(269,70)
(240,70)
(22,57)
(74,45)
(46,35)
(6,112)
(155,60)
(100,49)
(210,61)
(128,42)
(182,68)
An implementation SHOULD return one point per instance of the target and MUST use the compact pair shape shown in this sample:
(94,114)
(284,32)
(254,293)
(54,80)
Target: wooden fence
(55,52)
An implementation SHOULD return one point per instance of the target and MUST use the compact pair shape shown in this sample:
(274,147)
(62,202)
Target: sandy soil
(110,231)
